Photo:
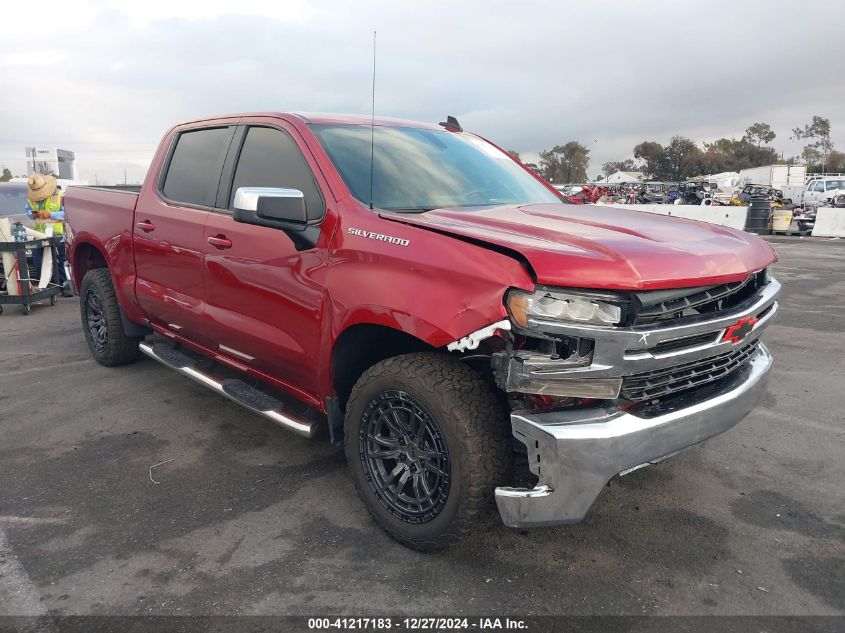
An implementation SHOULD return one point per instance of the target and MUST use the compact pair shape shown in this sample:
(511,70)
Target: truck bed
(103,217)
(106,212)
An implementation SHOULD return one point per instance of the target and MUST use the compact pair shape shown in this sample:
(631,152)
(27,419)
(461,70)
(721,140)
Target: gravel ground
(247,519)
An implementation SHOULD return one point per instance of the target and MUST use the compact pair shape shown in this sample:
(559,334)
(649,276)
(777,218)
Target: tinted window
(194,171)
(270,158)
(835,184)
(418,169)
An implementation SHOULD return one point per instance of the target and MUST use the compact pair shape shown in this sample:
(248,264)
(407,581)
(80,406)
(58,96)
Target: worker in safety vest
(44,204)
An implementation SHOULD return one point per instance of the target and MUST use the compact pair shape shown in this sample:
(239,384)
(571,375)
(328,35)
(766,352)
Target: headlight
(558,305)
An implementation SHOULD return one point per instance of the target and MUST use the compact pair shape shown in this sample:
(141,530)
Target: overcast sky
(107,78)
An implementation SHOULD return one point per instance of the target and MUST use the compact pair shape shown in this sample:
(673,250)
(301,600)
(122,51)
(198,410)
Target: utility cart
(24,276)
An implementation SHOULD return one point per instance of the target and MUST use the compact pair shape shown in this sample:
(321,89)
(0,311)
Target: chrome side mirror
(274,207)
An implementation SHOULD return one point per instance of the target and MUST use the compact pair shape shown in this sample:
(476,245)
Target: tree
(729,154)
(613,166)
(682,158)
(7,175)
(813,157)
(514,154)
(565,163)
(577,160)
(818,130)
(653,154)
(835,162)
(759,134)
(550,164)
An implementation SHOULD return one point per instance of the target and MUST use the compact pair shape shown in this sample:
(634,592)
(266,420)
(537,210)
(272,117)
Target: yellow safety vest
(52,204)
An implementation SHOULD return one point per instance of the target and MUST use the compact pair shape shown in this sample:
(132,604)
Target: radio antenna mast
(373,123)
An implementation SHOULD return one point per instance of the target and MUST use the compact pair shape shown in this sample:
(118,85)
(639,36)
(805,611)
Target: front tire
(427,442)
(101,321)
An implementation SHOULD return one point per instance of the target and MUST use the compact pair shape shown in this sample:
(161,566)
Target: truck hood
(589,246)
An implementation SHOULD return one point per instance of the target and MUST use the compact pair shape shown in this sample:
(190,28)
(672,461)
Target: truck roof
(324,118)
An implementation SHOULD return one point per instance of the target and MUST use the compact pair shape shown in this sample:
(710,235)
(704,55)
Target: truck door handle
(146,226)
(220,241)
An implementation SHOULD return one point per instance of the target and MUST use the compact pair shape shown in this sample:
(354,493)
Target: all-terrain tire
(98,303)
(475,430)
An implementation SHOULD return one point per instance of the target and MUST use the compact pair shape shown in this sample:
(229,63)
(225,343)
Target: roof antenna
(451,124)
(373,123)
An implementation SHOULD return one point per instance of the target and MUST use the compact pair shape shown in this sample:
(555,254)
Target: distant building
(59,162)
(624,176)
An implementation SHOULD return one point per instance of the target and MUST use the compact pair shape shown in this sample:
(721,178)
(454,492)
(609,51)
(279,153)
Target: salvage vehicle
(652,193)
(581,194)
(820,189)
(837,200)
(751,192)
(431,304)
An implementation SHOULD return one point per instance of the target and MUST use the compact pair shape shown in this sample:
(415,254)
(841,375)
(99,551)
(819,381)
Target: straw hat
(40,187)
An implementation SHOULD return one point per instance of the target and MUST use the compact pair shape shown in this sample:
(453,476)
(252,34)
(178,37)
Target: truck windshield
(421,169)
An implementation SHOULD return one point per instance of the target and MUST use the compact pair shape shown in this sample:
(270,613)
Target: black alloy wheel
(96,321)
(405,457)
(102,321)
(427,442)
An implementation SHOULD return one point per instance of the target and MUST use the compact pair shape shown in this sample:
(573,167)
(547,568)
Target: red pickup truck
(431,304)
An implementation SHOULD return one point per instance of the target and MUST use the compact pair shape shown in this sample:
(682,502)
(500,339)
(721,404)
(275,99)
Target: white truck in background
(789,179)
(820,189)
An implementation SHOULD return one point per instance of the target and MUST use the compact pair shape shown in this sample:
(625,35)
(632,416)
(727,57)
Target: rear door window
(271,158)
(193,173)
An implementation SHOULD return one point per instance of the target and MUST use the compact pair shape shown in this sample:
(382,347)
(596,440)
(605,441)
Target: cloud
(108,78)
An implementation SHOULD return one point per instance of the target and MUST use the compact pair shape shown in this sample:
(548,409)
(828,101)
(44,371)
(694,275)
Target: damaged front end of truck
(602,383)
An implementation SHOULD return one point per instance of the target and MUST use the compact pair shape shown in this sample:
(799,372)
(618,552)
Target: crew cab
(412,292)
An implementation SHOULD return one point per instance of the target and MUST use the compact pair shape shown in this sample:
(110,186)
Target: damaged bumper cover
(652,390)
(575,453)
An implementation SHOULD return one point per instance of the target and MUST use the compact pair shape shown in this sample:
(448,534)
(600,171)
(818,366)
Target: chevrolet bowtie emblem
(739,330)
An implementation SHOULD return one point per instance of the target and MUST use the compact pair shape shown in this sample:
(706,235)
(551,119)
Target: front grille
(662,382)
(686,342)
(661,305)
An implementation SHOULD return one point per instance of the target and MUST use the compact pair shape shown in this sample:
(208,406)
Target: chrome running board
(235,390)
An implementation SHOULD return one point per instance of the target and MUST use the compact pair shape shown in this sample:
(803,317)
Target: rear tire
(101,321)
(427,442)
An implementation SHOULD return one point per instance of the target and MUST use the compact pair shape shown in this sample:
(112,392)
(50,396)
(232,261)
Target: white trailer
(777,176)
(787,178)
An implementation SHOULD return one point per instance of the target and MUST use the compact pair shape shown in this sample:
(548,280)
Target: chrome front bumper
(575,453)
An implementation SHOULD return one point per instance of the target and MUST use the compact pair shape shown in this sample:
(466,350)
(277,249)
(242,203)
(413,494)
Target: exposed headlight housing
(566,306)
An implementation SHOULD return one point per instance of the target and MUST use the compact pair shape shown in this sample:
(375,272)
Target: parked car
(821,189)
(433,305)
